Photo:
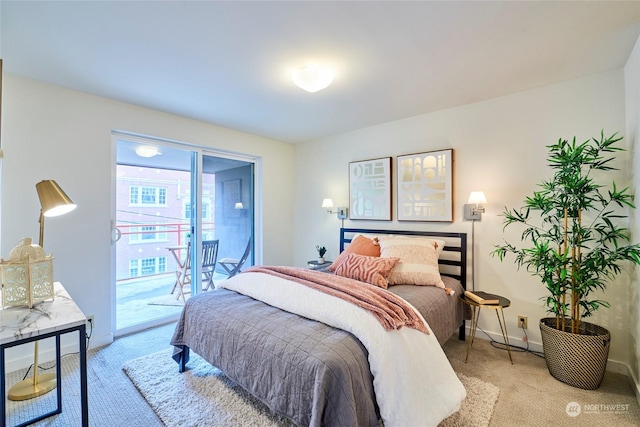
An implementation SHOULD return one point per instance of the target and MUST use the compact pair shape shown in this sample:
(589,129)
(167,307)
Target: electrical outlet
(90,323)
(522,321)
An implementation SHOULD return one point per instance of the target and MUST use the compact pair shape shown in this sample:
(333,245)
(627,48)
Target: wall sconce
(238,205)
(341,212)
(473,210)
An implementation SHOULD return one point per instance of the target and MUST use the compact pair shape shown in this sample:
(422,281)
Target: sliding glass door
(153,226)
(170,199)
(232,180)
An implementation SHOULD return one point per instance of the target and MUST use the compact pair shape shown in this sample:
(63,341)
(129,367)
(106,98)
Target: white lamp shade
(59,210)
(312,78)
(327,203)
(477,198)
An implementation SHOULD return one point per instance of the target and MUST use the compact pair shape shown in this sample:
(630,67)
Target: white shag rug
(203,395)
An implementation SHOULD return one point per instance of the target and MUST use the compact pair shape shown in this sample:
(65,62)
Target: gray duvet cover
(307,371)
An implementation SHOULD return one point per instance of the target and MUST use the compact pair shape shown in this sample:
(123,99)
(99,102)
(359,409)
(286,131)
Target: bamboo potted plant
(575,241)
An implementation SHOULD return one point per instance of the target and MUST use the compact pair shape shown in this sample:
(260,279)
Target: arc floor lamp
(53,202)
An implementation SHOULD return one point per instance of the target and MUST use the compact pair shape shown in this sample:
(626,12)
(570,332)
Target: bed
(277,347)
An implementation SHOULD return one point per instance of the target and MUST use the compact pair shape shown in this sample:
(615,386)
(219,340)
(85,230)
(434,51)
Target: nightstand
(314,264)
(47,319)
(475,314)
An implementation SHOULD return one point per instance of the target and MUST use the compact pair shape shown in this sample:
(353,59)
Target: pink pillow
(369,269)
(360,245)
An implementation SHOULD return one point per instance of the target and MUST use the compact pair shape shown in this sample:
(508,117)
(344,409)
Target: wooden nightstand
(475,314)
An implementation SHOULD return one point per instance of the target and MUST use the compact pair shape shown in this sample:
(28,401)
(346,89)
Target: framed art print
(370,189)
(425,187)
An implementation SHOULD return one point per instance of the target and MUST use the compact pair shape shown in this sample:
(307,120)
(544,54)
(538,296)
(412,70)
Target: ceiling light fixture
(147,151)
(313,78)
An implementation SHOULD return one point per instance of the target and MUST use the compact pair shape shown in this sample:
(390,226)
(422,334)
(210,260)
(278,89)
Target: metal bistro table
(51,318)
(499,308)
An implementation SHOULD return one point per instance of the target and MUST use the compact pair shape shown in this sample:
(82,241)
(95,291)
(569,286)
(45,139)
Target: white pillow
(418,260)
(420,239)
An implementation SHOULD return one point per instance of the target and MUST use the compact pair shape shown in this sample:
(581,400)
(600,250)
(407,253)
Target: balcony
(155,199)
(147,298)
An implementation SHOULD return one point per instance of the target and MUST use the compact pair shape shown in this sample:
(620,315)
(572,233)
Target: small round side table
(475,315)
(314,264)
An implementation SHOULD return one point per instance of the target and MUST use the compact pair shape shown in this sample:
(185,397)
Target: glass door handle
(115,233)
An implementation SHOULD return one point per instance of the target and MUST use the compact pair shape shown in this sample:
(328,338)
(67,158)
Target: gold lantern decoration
(27,276)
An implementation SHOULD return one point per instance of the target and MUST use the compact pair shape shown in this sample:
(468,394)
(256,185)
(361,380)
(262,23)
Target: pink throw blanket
(391,311)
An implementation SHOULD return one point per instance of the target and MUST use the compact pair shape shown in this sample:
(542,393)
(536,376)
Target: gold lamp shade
(53,200)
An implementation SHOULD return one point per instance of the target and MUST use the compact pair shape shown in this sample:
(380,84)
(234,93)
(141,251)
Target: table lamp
(53,202)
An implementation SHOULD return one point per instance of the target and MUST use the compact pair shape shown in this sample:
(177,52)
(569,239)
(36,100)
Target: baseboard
(96,342)
(612,365)
(618,367)
(513,341)
(47,354)
(635,385)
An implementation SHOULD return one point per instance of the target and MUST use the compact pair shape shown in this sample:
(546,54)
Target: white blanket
(414,383)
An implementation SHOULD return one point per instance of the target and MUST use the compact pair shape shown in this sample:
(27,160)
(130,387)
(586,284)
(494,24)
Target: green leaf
(602,241)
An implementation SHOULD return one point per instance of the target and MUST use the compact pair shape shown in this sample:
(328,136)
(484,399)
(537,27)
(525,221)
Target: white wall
(632,92)
(499,148)
(54,133)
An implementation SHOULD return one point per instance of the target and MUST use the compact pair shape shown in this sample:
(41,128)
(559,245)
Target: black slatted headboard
(453,260)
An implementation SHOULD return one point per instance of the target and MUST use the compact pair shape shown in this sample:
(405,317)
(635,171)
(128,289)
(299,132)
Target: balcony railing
(139,235)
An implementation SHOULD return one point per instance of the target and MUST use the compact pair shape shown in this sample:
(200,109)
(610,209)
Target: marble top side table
(46,319)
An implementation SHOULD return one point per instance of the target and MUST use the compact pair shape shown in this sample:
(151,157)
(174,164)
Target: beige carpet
(113,400)
(204,396)
(531,397)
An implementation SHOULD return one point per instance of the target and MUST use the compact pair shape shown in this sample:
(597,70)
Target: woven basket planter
(580,359)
